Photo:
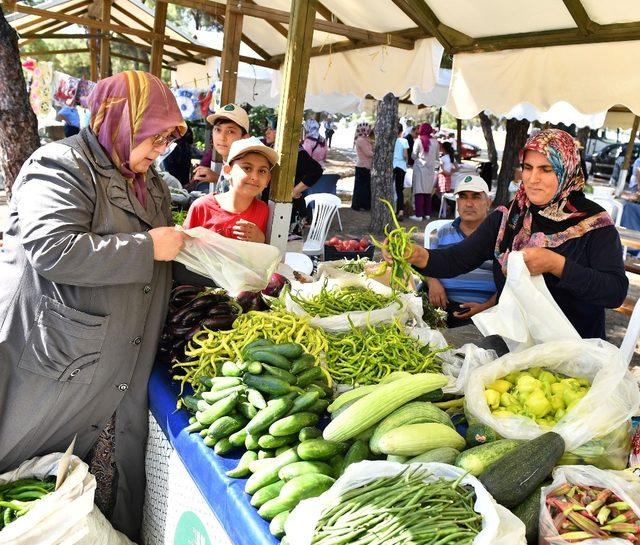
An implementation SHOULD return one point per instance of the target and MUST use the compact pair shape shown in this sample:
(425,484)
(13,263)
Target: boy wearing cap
(239,213)
(471,293)
(230,123)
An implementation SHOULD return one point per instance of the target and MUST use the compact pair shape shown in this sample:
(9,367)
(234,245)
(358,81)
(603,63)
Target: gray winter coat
(82,303)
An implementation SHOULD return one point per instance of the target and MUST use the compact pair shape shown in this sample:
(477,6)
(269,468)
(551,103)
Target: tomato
(334,241)
(364,242)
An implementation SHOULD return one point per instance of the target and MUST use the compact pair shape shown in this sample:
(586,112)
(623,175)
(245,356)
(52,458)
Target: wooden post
(294,86)
(516,137)
(230,54)
(105,45)
(459,139)
(157,45)
(93,59)
(622,179)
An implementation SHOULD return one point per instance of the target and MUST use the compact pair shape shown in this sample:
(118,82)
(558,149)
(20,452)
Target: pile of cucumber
(270,403)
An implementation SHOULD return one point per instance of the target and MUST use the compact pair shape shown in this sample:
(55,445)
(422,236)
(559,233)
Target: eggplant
(184,290)
(179,332)
(208,299)
(223,309)
(250,300)
(275,285)
(216,323)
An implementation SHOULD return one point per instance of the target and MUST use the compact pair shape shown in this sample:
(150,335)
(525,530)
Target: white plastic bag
(407,308)
(526,313)
(459,363)
(499,525)
(234,265)
(610,402)
(626,490)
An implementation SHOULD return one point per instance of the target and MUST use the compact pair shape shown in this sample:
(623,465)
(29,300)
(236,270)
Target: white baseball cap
(233,113)
(472,183)
(252,145)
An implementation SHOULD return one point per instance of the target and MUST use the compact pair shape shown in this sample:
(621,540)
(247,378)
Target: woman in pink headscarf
(425,164)
(85,283)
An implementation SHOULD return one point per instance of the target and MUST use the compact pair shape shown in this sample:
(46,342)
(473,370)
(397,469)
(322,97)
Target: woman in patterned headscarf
(564,236)
(85,282)
(362,182)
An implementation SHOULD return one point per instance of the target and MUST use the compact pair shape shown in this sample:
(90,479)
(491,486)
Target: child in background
(230,123)
(238,213)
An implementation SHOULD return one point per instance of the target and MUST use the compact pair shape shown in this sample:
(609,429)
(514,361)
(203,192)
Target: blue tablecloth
(225,496)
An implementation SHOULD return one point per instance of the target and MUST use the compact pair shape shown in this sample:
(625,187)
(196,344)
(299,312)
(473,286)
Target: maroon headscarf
(425,133)
(125,110)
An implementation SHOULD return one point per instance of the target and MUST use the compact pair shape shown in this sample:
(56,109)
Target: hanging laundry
(65,87)
(84,90)
(188,103)
(40,92)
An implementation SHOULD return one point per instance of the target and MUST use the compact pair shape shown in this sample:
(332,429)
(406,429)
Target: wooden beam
(421,14)
(173,56)
(276,26)
(9,5)
(56,36)
(105,44)
(54,52)
(230,54)
(157,46)
(55,26)
(581,17)
(248,41)
(45,16)
(137,59)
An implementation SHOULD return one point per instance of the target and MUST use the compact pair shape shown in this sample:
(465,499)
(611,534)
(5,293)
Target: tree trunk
(487,130)
(514,141)
(382,168)
(459,140)
(582,136)
(18,123)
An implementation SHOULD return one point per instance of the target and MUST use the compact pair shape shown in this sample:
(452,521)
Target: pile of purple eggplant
(192,308)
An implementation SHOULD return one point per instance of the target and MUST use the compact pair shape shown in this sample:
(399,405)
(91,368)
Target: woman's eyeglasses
(160,141)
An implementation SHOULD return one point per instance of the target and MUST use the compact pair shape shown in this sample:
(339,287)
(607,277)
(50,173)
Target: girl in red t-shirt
(238,213)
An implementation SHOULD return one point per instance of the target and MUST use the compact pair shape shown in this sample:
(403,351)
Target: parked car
(469,151)
(603,161)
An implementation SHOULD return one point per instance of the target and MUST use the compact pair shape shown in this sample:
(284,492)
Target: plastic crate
(332,254)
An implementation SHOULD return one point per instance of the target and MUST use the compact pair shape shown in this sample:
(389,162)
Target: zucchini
(319,449)
(272,386)
(217,395)
(304,401)
(444,455)
(414,439)
(349,395)
(342,408)
(529,513)
(266,493)
(293,424)
(310,375)
(270,475)
(267,356)
(218,409)
(305,486)
(414,412)
(270,442)
(290,351)
(357,452)
(518,473)
(477,459)
(242,469)
(479,434)
(385,399)
(237,439)
(230,369)
(256,398)
(282,374)
(223,446)
(301,468)
(275,409)
(273,507)
(276,526)
(225,426)
(309,433)
(301,364)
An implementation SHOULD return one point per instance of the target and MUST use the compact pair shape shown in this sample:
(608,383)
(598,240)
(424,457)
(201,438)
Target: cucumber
(223,446)
(347,396)
(192,420)
(328,390)
(258,343)
(222,383)
(238,438)
(304,362)
(230,369)
(290,351)
(301,468)
(209,441)
(476,460)
(518,473)
(265,454)
(282,374)
(309,433)
(266,493)
(242,469)
(218,409)
(529,513)
(479,434)
(397,458)
(254,367)
(357,452)
(275,409)
(270,475)
(204,432)
(261,464)
(342,408)
(264,356)
(191,403)
(310,375)
(293,424)
(282,449)
(273,507)
(304,401)
(276,526)
(337,463)
(313,387)
(205,381)
(444,455)
(432,397)
(319,407)
(195,427)
(269,441)
(247,410)
(271,386)
(217,395)
(305,486)
(256,398)
(251,442)
(225,426)
(366,435)
(319,449)
(202,405)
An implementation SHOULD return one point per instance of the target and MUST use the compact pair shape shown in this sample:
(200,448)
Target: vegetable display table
(188,497)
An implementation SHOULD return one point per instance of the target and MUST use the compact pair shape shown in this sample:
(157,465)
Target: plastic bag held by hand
(526,313)
(234,265)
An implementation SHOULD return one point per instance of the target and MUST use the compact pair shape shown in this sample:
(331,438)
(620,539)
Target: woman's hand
(415,255)
(250,232)
(471,309)
(542,260)
(204,174)
(298,190)
(167,242)
(437,293)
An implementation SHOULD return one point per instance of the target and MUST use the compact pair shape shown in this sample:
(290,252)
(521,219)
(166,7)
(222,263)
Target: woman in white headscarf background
(313,143)
(363,143)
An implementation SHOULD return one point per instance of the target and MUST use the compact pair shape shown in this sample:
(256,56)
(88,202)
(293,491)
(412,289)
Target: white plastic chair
(443,209)
(299,262)
(628,346)
(326,206)
(432,228)
(611,205)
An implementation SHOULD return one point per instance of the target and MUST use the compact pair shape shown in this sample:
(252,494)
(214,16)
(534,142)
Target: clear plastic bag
(234,265)
(499,525)
(625,489)
(609,404)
